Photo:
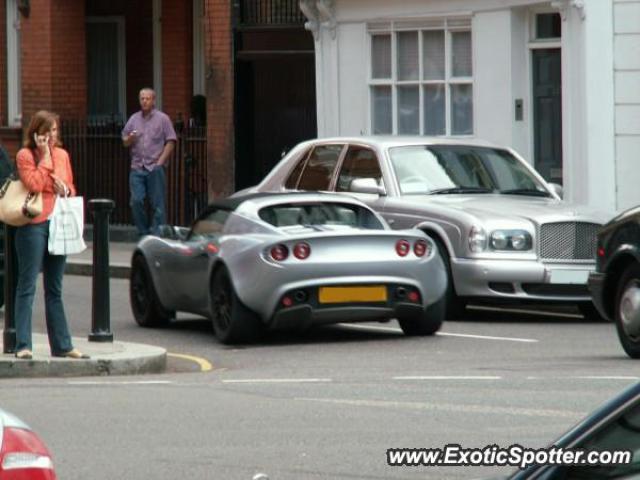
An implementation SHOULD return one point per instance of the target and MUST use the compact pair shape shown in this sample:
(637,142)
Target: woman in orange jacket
(43,166)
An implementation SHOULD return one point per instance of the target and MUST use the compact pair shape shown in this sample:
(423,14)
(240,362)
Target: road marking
(445,377)
(445,334)
(607,377)
(545,313)
(445,407)
(205,365)
(123,382)
(488,337)
(278,380)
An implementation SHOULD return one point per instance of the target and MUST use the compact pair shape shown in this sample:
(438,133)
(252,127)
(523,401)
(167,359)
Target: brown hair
(41,122)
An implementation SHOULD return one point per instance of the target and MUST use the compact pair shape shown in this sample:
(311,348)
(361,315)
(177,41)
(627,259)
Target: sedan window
(461,169)
(319,168)
(320,214)
(359,162)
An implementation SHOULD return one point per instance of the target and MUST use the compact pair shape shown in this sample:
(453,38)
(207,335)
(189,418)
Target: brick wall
(177,58)
(219,87)
(53,58)
(3,63)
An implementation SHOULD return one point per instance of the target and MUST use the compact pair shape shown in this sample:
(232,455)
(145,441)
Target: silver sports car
(504,233)
(288,260)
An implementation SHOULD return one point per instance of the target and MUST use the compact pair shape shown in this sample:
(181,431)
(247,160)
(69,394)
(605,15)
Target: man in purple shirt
(152,139)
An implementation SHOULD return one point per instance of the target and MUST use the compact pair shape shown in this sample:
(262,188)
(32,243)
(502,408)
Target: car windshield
(451,169)
(320,214)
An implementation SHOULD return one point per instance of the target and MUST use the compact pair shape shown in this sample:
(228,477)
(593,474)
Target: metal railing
(270,12)
(101,168)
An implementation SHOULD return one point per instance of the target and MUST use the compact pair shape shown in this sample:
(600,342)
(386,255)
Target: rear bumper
(596,287)
(303,316)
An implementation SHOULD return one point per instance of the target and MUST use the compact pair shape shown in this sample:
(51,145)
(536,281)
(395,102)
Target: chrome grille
(568,241)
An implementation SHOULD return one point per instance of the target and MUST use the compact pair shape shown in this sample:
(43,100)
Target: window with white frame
(421,78)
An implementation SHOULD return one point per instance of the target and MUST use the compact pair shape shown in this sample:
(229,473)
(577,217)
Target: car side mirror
(557,189)
(366,185)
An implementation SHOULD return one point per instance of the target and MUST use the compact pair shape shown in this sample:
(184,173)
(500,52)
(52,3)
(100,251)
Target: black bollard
(100,313)
(10,277)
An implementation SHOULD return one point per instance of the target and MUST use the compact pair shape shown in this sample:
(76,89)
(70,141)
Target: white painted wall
(626,24)
(353,67)
(493,98)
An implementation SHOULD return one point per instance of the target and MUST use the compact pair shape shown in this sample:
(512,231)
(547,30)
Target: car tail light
(420,248)
(402,248)
(25,456)
(212,248)
(287,301)
(601,252)
(413,296)
(302,250)
(279,252)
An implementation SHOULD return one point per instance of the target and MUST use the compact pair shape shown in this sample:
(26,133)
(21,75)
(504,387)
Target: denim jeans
(151,184)
(32,255)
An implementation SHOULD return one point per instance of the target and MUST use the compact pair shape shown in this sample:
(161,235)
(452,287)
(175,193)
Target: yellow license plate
(376,293)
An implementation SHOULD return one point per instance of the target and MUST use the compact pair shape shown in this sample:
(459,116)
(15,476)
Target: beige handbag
(18,206)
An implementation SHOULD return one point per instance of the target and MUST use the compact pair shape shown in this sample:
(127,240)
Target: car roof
(388,141)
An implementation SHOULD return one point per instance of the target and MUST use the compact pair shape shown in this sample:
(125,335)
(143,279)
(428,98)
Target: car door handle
(391,221)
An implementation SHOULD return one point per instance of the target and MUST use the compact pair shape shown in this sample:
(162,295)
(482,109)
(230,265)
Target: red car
(23,456)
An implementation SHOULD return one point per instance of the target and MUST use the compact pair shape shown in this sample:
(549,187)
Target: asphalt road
(323,404)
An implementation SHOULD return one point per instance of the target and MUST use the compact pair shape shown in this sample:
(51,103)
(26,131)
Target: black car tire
(430,322)
(2,265)
(455,307)
(232,321)
(629,285)
(146,307)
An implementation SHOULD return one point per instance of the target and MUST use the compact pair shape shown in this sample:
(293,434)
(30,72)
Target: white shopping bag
(66,225)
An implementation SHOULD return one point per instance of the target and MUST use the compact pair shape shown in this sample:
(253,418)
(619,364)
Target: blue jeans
(142,184)
(33,255)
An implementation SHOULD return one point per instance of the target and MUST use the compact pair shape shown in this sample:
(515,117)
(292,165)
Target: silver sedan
(504,233)
(288,261)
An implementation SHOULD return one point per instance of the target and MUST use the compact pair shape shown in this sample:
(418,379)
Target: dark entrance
(547,113)
(274,87)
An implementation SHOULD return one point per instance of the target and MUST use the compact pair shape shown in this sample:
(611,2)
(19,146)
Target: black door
(547,113)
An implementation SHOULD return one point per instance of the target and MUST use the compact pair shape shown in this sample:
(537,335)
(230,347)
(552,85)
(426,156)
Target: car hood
(488,207)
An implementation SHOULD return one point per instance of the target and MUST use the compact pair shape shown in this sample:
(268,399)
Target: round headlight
(499,240)
(519,241)
(477,239)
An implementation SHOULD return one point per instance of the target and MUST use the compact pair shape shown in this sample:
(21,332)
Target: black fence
(101,168)
(270,12)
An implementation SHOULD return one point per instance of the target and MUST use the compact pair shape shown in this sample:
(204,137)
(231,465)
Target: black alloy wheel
(146,307)
(627,310)
(232,321)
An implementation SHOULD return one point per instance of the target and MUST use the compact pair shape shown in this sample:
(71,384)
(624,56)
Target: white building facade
(559,81)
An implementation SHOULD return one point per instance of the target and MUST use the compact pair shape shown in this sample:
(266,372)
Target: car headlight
(518,240)
(477,239)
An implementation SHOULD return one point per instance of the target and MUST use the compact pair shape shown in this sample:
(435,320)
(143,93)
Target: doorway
(547,112)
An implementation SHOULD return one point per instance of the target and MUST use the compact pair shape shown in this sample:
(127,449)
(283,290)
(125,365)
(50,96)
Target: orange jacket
(36,176)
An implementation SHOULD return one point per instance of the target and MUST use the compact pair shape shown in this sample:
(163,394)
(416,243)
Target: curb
(109,359)
(85,268)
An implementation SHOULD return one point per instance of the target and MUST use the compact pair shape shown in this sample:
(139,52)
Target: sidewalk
(119,260)
(117,358)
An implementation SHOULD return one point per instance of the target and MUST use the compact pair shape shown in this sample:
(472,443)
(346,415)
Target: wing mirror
(557,189)
(366,185)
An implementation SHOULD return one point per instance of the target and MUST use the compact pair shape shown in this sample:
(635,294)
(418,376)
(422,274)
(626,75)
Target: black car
(614,426)
(615,284)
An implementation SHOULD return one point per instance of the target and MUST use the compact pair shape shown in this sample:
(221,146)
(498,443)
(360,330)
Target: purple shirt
(154,131)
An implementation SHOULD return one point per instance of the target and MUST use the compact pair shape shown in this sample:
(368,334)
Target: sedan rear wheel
(147,310)
(232,321)
(430,322)
(627,312)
